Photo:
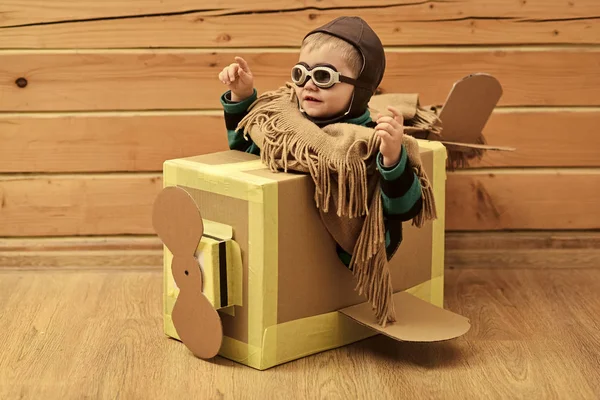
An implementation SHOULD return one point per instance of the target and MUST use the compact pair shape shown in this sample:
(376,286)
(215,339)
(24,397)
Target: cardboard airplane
(210,292)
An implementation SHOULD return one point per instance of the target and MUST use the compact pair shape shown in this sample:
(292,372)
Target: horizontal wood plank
(543,138)
(161,80)
(122,204)
(133,142)
(81,253)
(284,23)
(523,250)
(77,204)
(523,259)
(113,142)
(522,240)
(464,250)
(30,12)
(523,199)
(455,241)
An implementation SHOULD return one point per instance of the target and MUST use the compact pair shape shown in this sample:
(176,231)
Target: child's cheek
(298,91)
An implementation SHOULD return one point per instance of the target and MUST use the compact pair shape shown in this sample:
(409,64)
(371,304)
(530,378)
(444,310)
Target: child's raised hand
(239,79)
(391,132)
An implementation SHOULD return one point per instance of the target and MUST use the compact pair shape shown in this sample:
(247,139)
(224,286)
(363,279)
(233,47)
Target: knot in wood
(21,82)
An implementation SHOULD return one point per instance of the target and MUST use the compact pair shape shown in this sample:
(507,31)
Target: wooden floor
(98,334)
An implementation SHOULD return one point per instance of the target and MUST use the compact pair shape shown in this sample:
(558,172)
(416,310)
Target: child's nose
(310,84)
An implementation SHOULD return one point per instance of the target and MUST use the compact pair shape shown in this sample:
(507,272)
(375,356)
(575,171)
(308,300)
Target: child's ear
(177,221)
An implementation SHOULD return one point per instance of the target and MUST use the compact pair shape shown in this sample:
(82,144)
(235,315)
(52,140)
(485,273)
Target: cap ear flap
(177,221)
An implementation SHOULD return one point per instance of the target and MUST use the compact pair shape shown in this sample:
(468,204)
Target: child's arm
(400,187)
(234,112)
(236,101)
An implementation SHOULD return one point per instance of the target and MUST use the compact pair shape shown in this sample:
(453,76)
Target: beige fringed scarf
(340,158)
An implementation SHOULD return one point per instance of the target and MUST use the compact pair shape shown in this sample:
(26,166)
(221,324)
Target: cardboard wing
(418,320)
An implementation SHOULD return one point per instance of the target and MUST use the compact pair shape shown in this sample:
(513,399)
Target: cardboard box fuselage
(292,282)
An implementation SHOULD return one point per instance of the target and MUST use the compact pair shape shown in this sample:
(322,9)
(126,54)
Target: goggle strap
(354,82)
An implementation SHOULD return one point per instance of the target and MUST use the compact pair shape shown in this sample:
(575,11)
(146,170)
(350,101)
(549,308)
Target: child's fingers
(243,64)
(383,135)
(391,121)
(397,114)
(223,77)
(384,126)
(246,78)
(232,71)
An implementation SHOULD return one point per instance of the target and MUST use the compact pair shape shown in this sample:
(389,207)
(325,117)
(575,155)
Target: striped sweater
(400,188)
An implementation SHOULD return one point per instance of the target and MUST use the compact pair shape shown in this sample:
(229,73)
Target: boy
(341,64)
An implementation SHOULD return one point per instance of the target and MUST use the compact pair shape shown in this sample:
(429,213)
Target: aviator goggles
(324,76)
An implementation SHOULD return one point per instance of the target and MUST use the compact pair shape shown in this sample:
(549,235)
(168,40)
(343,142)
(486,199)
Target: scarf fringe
(428,211)
(280,145)
(428,121)
(369,265)
(463,158)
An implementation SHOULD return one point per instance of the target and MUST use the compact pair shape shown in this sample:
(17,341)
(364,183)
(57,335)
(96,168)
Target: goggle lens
(322,76)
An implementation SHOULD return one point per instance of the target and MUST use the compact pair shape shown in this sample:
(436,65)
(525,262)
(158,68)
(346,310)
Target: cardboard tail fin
(465,113)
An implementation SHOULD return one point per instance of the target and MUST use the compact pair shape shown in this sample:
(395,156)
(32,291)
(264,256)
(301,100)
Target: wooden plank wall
(95,95)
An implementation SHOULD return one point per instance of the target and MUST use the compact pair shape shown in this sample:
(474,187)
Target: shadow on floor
(427,355)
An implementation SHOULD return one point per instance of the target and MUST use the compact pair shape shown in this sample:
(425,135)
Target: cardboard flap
(418,321)
(468,107)
(221,264)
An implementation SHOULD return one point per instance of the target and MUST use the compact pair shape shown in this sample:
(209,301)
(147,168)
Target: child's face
(324,103)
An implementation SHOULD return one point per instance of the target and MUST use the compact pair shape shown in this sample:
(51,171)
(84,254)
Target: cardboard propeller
(177,221)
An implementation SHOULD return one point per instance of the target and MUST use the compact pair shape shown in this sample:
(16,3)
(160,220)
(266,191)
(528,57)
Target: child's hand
(238,79)
(391,132)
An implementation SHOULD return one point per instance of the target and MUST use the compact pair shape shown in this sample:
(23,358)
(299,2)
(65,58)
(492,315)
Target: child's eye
(297,74)
(321,76)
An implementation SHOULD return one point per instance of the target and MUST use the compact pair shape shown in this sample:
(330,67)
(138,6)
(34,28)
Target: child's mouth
(312,100)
